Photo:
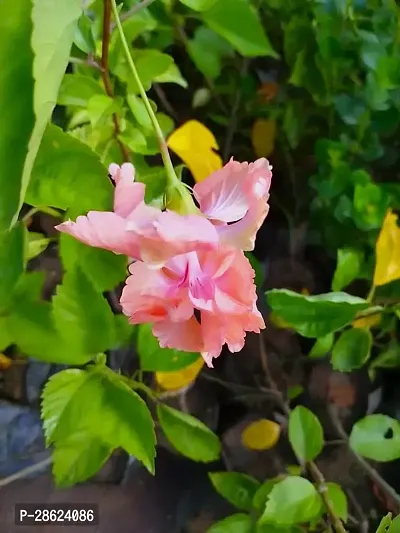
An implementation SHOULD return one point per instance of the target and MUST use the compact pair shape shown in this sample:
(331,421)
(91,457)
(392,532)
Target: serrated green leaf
(17,117)
(291,501)
(305,433)
(82,314)
(154,358)
(239,24)
(236,523)
(188,435)
(239,489)
(315,316)
(54,25)
(68,174)
(376,437)
(77,90)
(113,413)
(78,457)
(351,350)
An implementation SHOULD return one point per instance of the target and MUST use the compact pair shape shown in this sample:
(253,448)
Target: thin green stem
(43,209)
(171,175)
(371,294)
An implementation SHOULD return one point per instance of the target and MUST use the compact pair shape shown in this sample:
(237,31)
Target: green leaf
(339,500)
(54,25)
(198,5)
(238,489)
(17,117)
(32,327)
(239,24)
(257,267)
(153,358)
(188,435)
(395,525)
(149,64)
(77,90)
(384,523)
(139,111)
(68,174)
(370,203)
(82,314)
(389,358)
(315,316)
(236,523)
(104,269)
(35,244)
(376,437)
(207,49)
(78,457)
(322,346)
(155,180)
(291,501)
(172,75)
(83,37)
(347,269)
(98,402)
(305,433)
(261,496)
(352,349)
(11,261)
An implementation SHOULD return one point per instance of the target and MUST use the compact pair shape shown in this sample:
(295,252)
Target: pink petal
(128,194)
(184,336)
(103,230)
(242,234)
(228,194)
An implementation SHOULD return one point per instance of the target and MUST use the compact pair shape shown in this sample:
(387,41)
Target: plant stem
(25,472)
(106,75)
(371,294)
(171,175)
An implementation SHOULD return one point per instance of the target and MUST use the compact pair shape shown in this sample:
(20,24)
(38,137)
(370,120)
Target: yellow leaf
(179,378)
(5,362)
(278,322)
(387,251)
(367,321)
(262,434)
(195,145)
(263,137)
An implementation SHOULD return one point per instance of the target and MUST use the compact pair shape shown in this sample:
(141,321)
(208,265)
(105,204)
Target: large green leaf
(104,269)
(54,26)
(239,23)
(82,314)
(239,489)
(78,457)
(156,359)
(32,327)
(76,90)
(305,433)
(376,437)
(207,49)
(315,316)
(16,103)
(68,174)
(188,435)
(351,350)
(11,261)
(292,501)
(96,401)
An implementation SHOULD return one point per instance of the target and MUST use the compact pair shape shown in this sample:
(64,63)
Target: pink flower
(235,200)
(196,302)
(137,229)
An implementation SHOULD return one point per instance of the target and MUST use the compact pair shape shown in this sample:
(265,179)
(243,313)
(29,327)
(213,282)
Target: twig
(132,11)
(373,474)
(313,468)
(163,99)
(319,479)
(363,520)
(232,125)
(272,394)
(24,472)
(106,75)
